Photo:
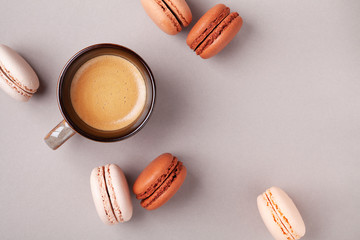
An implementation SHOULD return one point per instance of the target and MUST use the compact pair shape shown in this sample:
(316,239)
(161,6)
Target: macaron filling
(4,72)
(13,84)
(216,32)
(150,190)
(175,11)
(170,14)
(111,192)
(213,24)
(279,218)
(164,186)
(105,196)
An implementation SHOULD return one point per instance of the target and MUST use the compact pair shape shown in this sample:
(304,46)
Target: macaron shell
(288,212)
(278,212)
(18,69)
(220,37)
(153,175)
(276,229)
(206,24)
(162,16)
(12,90)
(181,10)
(100,197)
(167,189)
(119,192)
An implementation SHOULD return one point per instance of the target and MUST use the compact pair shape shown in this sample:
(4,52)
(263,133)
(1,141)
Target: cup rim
(68,119)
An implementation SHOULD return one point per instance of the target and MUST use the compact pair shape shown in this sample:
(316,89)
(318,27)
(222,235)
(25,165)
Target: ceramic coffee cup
(72,123)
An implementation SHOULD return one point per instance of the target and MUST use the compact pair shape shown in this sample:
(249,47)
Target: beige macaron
(169,15)
(17,78)
(280,215)
(111,194)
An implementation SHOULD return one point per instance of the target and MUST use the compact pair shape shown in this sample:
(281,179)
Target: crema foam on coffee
(108,93)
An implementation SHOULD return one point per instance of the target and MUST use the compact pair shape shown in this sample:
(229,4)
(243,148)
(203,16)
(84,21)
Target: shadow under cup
(67,76)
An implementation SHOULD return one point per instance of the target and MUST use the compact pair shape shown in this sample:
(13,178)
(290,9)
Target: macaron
(159,181)
(214,30)
(17,78)
(169,15)
(111,194)
(280,215)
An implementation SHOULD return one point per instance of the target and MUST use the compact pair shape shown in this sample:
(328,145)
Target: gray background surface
(279,106)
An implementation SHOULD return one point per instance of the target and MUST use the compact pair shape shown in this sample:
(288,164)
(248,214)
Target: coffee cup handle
(58,135)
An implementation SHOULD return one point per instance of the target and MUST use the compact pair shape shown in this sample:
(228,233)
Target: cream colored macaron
(17,77)
(111,194)
(280,215)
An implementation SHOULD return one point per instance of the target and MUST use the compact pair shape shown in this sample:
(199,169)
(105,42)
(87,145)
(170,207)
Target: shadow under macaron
(237,44)
(198,9)
(169,113)
(186,193)
(30,56)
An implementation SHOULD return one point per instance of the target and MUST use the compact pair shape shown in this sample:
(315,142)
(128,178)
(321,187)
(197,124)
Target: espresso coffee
(108,93)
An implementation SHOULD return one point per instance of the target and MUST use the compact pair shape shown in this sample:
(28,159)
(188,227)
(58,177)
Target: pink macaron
(17,78)
(111,194)
(169,15)
(280,215)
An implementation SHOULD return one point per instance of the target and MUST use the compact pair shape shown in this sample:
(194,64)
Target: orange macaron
(159,181)
(169,15)
(214,30)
